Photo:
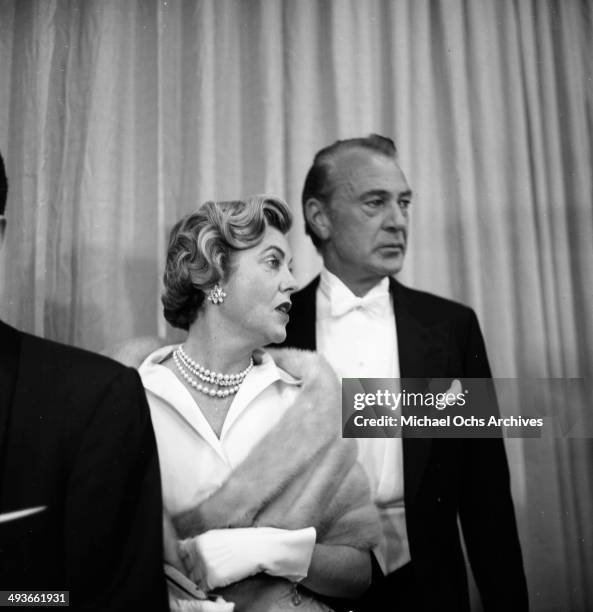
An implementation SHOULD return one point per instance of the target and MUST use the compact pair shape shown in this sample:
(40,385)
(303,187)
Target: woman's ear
(317,217)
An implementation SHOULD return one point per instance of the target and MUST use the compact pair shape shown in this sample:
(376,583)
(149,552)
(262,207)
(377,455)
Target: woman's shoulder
(136,351)
(319,389)
(302,364)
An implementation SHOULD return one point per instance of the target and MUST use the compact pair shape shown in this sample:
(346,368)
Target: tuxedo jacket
(445,478)
(76,439)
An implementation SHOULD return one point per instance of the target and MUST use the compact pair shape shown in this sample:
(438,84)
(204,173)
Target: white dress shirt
(358,337)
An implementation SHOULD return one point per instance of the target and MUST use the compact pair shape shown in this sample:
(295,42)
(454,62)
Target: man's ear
(316,214)
(2,229)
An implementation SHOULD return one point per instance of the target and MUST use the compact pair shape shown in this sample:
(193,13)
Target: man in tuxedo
(356,204)
(80,499)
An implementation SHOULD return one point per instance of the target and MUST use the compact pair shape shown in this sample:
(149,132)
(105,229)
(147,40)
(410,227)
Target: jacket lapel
(418,358)
(300,331)
(423,351)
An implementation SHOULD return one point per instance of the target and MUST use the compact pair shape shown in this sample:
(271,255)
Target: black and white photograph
(296,305)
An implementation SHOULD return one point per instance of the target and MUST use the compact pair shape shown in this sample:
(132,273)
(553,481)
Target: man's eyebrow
(375,192)
(385,194)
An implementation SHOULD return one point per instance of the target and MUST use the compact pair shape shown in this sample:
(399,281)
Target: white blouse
(193,461)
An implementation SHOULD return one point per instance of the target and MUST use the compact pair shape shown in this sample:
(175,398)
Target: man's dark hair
(3,186)
(318,183)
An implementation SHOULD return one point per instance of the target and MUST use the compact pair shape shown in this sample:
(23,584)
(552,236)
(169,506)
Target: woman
(262,492)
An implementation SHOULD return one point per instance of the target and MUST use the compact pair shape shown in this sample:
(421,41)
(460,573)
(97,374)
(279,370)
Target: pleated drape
(118,117)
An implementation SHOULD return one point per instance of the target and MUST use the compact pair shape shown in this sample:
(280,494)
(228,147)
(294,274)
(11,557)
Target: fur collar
(302,473)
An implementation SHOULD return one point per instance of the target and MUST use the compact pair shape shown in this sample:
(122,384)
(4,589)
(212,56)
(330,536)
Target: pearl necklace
(187,366)
(210,376)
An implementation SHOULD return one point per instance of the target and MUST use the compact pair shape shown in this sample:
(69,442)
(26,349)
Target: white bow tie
(374,304)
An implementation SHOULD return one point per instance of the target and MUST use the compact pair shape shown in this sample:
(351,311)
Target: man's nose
(396,217)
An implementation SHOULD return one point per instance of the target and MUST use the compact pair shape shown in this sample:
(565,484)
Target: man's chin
(390,266)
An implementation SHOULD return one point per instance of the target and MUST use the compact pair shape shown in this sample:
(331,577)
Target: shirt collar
(334,291)
(264,373)
(163,383)
(264,360)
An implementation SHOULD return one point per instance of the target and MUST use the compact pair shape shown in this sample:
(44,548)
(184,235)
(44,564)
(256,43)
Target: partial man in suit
(356,203)
(80,498)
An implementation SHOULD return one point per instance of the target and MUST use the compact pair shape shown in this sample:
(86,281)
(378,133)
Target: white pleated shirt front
(362,343)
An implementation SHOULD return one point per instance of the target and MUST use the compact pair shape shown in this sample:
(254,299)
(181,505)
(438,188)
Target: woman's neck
(217,350)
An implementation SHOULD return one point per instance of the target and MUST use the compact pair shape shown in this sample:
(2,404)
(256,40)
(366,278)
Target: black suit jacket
(76,437)
(445,478)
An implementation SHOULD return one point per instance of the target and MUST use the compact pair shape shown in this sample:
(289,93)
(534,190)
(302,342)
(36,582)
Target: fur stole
(301,474)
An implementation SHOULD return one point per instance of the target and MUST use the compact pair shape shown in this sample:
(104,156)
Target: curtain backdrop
(117,117)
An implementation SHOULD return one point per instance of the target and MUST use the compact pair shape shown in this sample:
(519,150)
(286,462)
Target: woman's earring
(216,295)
